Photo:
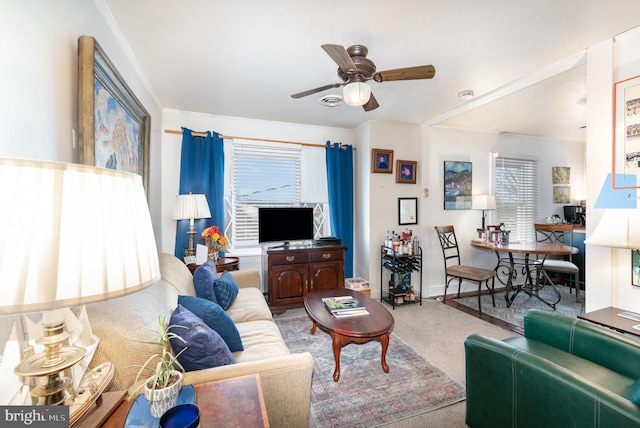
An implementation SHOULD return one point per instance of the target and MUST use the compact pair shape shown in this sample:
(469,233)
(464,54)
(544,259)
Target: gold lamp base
(51,377)
(46,368)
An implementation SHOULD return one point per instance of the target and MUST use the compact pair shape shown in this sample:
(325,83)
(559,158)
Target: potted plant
(163,386)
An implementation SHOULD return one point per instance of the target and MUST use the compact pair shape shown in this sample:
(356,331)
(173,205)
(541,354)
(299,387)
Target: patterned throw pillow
(226,290)
(216,318)
(205,347)
(203,279)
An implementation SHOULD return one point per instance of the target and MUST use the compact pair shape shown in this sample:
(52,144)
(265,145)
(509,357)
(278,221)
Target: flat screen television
(285,224)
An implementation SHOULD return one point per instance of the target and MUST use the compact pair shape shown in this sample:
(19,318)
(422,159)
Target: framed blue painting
(113,123)
(457,185)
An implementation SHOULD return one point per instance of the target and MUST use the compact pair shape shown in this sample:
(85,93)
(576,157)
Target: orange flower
(214,238)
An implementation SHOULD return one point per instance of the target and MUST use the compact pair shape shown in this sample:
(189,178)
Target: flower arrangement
(215,240)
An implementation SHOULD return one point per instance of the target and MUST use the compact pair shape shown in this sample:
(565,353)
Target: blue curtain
(201,171)
(340,183)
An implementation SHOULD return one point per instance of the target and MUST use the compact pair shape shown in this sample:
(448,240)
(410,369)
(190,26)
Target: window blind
(264,174)
(516,189)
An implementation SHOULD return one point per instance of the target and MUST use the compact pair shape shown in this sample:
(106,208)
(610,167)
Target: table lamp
(190,207)
(484,203)
(69,235)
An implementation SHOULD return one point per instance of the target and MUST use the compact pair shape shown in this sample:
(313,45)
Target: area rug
(365,396)
(514,314)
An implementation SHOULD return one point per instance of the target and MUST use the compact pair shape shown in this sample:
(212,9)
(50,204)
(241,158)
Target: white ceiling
(246,58)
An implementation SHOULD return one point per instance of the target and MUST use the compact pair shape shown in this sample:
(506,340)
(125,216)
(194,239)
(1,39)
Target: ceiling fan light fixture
(356,93)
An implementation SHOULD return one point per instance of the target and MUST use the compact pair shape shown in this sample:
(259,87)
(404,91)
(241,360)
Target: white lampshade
(71,234)
(190,207)
(618,228)
(356,93)
(483,202)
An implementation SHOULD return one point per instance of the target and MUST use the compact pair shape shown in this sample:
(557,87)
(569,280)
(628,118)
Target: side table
(608,317)
(223,263)
(233,402)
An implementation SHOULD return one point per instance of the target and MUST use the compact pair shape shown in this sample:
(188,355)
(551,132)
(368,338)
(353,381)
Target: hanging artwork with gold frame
(113,123)
(382,161)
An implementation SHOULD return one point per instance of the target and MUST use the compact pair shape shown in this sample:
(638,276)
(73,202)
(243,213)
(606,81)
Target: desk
(233,402)
(223,263)
(525,249)
(609,317)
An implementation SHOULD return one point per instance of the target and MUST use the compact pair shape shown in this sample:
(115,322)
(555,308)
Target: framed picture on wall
(457,185)
(113,123)
(382,161)
(626,137)
(635,268)
(407,211)
(406,171)
(560,175)
(561,194)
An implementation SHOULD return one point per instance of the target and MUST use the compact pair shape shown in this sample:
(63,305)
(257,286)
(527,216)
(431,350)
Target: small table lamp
(69,235)
(190,207)
(484,203)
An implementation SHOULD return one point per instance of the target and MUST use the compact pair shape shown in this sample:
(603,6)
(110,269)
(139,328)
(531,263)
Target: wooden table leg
(337,347)
(313,327)
(384,341)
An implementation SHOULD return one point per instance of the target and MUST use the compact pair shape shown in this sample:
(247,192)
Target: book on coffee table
(344,306)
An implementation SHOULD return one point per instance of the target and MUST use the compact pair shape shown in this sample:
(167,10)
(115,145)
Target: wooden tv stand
(295,271)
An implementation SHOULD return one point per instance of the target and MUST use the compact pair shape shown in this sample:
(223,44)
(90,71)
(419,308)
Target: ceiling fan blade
(316,90)
(409,73)
(372,104)
(339,54)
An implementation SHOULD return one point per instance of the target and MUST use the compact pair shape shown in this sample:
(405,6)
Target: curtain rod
(229,137)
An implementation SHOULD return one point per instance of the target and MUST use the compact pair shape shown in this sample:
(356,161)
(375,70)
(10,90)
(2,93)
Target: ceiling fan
(354,68)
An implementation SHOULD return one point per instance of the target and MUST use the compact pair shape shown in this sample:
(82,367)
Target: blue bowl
(181,416)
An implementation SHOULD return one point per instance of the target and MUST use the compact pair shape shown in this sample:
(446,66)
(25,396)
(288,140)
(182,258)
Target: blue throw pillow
(203,279)
(205,347)
(216,318)
(226,290)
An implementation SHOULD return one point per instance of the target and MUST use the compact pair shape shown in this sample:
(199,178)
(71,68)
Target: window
(516,184)
(263,174)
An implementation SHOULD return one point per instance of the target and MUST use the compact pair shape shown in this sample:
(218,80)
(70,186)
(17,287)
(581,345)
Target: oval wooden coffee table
(359,329)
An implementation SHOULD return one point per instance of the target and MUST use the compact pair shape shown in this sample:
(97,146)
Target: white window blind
(516,189)
(264,175)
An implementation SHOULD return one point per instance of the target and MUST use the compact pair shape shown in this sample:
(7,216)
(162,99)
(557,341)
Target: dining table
(518,255)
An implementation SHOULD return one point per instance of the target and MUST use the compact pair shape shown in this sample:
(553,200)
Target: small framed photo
(407,211)
(406,171)
(382,161)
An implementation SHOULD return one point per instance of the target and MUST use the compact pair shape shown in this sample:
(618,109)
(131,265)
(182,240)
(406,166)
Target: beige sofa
(285,377)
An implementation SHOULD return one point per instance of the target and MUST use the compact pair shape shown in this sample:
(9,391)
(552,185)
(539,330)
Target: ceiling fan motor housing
(366,67)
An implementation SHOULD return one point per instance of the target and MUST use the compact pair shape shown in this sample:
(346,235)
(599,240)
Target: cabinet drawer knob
(291,258)
(326,256)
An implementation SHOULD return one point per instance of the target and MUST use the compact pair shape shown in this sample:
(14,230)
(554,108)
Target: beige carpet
(437,332)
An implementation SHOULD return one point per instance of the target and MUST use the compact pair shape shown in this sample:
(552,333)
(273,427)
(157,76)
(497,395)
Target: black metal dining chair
(559,234)
(454,270)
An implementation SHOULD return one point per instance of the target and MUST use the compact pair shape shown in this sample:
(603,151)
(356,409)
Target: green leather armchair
(564,372)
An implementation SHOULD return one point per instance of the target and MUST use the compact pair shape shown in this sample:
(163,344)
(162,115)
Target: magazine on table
(343,306)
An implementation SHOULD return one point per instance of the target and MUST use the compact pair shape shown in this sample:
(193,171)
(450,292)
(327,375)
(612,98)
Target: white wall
(39,80)
(608,269)
(379,193)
